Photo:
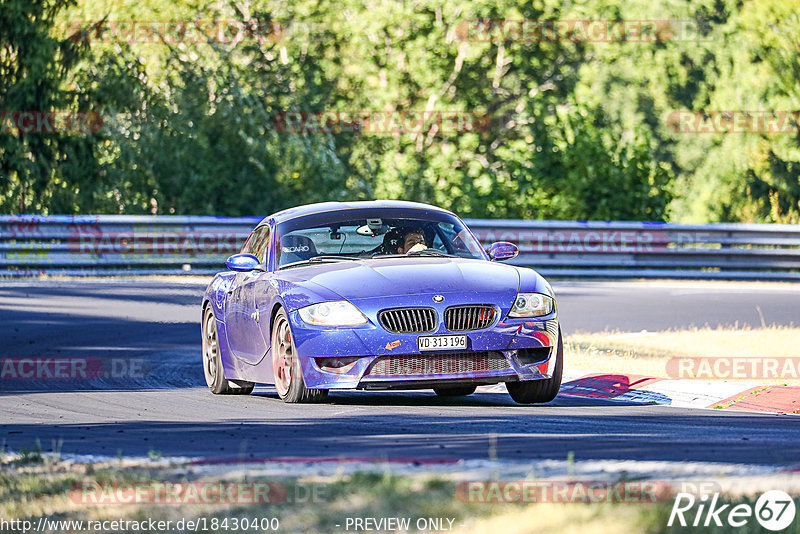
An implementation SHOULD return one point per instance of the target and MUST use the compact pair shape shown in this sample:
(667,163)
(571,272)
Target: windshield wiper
(426,252)
(320,259)
(334,258)
(431,252)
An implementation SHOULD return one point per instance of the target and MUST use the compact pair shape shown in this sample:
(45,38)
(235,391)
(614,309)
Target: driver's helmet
(392,240)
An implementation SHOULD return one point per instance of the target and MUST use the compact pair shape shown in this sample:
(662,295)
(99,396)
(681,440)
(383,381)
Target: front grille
(466,318)
(409,320)
(438,364)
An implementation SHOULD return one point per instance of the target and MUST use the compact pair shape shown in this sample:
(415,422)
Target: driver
(412,240)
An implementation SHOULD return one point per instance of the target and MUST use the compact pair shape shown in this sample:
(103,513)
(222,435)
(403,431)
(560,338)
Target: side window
(460,240)
(257,243)
(261,244)
(248,245)
(447,231)
(438,244)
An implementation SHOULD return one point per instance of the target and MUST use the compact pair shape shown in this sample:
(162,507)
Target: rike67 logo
(774,510)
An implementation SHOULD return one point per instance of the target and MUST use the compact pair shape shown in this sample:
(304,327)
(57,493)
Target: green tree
(577,129)
(34,65)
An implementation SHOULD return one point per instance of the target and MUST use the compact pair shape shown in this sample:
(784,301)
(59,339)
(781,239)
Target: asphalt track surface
(153,326)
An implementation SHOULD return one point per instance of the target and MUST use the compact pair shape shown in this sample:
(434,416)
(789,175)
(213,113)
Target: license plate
(441,342)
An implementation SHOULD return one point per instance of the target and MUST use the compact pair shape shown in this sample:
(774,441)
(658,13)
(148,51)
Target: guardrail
(33,245)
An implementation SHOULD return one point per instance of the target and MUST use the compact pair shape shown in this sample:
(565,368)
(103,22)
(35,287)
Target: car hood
(390,277)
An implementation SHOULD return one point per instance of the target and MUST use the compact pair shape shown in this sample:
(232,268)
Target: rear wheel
(455,391)
(539,391)
(286,366)
(212,361)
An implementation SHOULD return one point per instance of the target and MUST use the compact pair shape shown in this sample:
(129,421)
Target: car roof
(310,209)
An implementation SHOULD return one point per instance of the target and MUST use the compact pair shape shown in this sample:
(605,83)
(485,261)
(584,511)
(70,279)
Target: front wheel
(286,366)
(540,391)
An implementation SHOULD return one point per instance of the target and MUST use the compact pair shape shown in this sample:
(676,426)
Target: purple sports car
(378,295)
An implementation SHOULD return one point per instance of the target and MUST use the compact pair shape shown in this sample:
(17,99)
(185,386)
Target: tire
(540,391)
(212,362)
(286,370)
(455,391)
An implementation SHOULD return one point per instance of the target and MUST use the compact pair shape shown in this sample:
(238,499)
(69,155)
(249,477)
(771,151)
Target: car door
(242,317)
(255,287)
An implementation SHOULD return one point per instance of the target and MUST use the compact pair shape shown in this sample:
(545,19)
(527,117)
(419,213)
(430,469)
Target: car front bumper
(510,350)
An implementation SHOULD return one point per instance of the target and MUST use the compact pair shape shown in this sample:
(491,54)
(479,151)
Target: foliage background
(578,129)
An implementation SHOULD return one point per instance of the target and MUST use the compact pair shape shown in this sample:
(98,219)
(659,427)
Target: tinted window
(258,243)
(374,234)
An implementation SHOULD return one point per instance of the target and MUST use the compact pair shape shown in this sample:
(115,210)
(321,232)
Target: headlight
(531,305)
(335,313)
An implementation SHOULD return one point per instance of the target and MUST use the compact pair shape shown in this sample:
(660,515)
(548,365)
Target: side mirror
(502,250)
(243,263)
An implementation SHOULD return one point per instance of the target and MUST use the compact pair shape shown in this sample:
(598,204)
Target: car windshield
(374,233)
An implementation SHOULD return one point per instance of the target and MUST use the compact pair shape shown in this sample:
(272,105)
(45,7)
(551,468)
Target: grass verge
(313,504)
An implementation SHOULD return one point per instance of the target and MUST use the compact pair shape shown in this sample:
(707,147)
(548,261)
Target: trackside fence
(111,245)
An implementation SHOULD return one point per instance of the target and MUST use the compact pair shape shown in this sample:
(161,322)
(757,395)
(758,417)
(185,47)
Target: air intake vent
(441,364)
(409,320)
(466,318)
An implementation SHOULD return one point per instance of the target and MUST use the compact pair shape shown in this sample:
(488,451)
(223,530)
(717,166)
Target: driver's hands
(417,248)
